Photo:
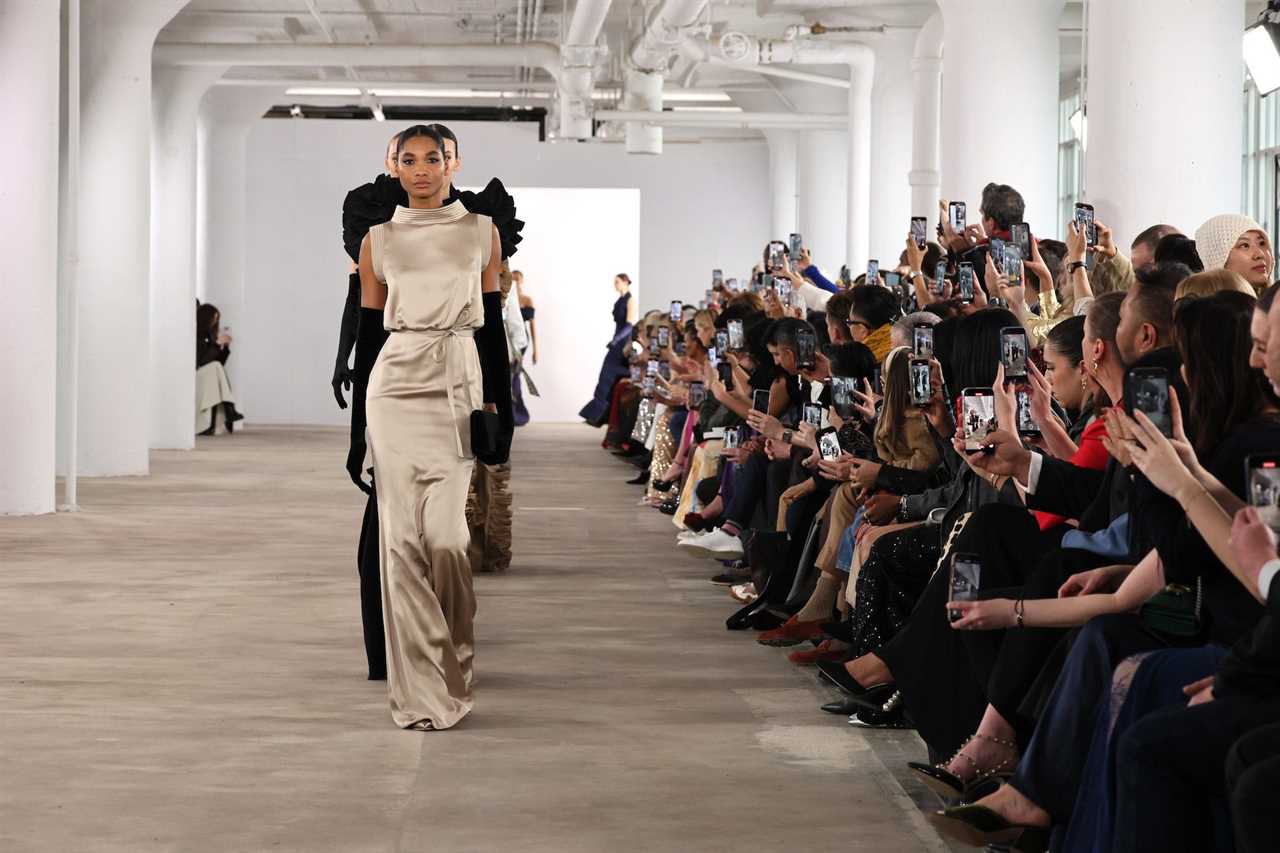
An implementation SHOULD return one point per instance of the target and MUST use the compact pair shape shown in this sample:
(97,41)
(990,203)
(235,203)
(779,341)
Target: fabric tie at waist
(435,336)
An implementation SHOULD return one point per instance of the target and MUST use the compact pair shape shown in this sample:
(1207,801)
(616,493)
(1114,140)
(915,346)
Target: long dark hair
(1213,341)
(206,317)
(975,351)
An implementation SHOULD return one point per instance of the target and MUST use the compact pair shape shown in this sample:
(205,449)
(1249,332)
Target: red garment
(1090,453)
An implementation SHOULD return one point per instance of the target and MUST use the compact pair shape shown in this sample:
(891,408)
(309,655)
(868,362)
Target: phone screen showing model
(717,278)
(722,340)
(1084,219)
(697,394)
(637,374)
(956,213)
(964,282)
(922,340)
(829,444)
(921,381)
(873,271)
(664,337)
(966,573)
(892,279)
(842,395)
(1027,425)
(939,278)
(651,369)
(806,348)
(794,240)
(775,256)
(1146,390)
(1262,472)
(677,311)
(978,416)
(735,335)
(732,438)
(813,415)
(918,226)
(1013,265)
(1013,351)
(1020,236)
(996,249)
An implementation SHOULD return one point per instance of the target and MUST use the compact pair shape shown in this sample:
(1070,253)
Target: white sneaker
(689,540)
(686,535)
(718,545)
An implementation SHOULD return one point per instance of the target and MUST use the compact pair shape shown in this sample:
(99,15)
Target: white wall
(700,207)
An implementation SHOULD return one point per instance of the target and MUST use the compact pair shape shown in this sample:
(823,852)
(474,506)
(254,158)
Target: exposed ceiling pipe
(701,50)
(925,176)
(718,119)
(650,60)
(749,51)
(579,57)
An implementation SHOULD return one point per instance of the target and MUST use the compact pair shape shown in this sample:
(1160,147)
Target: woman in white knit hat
(1237,243)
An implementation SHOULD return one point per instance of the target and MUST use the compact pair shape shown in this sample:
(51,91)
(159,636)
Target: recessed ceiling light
(694,96)
(734,109)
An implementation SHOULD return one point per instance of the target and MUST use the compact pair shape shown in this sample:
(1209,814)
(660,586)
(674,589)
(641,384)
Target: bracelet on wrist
(1018,607)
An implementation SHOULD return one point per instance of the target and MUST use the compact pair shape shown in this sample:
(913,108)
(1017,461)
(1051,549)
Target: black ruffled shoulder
(495,202)
(369,205)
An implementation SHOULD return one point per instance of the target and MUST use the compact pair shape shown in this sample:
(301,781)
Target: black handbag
(1174,611)
(485,429)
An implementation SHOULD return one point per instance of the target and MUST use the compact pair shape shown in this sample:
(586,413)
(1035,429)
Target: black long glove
(370,336)
(342,375)
(495,365)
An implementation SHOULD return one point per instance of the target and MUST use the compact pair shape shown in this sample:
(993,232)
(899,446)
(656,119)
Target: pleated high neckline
(451,212)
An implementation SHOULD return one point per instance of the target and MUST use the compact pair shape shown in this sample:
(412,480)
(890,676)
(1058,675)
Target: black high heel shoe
(668,507)
(639,479)
(985,780)
(979,826)
(664,485)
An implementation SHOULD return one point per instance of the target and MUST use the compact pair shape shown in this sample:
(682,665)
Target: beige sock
(823,599)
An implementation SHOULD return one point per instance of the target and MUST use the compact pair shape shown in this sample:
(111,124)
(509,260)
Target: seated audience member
(215,404)
(1239,244)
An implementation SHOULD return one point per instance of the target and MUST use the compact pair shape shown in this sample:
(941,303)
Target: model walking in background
(625,312)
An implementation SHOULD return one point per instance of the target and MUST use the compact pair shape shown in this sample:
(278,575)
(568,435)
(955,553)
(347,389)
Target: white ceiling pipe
(861,63)
(579,57)
(701,50)
(925,176)
(744,119)
(650,59)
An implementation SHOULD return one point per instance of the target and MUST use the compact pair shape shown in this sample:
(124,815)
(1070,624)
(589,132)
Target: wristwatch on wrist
(786,436)
(1075,265)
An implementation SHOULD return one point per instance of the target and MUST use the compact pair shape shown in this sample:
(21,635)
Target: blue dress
(596,412)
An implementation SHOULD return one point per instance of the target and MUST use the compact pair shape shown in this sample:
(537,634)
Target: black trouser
(369,568)
(1253,778)
(749,479)
(1170,777)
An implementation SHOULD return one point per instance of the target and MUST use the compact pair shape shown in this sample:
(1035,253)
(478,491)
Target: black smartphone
(664,337)
(1027,426)
(1013,265)
(775,256)
(1146,390)
(892,279)
(677,310)
(995,248)
(650,384)
(653,346)
(966,574)
(873,271)
(922,340)
(964,282)
(1020,236)
(637,374)
(875,379)
(1013,351)
(921,381)
(939,278)
(760,400)
(842,396)
(679,348)
(713,356)
(766,281)
(829,444)
(795,246)
(722,340)
(806,349)
(732,438)
(664,370)
(651,369)
(736,340)
(697,394)
(783,286)
(1262,474)
(956,214)
(918,226)
(813,415)
(717,278)
(725,370)
(977,416)
(1084,218)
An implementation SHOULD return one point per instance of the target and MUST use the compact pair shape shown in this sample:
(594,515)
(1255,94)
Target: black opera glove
(370,336)
(495,367)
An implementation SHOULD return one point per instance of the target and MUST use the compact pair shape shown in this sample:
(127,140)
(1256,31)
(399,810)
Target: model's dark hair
(416,131)
(975,351)
(1178,248)
(877,305)
(446,133)
(1213,340)
(1067,338)
(1004,204)
(624,277)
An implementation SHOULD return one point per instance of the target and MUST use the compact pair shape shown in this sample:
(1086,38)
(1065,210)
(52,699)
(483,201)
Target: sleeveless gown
(596,412)
(422,390)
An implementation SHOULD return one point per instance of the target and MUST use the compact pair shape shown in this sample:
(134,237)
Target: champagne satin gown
(422,390)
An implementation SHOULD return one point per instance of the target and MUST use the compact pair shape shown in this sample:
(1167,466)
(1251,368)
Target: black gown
(596,412)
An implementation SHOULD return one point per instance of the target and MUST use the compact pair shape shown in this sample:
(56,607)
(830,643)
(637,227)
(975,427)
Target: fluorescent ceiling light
(706,109)
(694,96)
(321,91)
(378,115)
(1262,56)
(437,93)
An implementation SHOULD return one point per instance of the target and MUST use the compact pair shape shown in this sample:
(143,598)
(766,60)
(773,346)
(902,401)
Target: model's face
(389,161)
(620,286)
(452,162)
(1251,257)
(422,168)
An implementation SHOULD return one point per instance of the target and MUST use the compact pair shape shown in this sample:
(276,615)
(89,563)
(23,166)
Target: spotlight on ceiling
(295,111)
(377,113)
(1262,49)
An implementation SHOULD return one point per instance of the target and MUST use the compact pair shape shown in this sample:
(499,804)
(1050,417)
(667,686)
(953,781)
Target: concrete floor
(183,671)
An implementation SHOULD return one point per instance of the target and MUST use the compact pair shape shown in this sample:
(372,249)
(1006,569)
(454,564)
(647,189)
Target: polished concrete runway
(183,671)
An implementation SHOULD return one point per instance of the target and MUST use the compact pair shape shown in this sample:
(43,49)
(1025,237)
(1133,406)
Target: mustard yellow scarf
(878,342)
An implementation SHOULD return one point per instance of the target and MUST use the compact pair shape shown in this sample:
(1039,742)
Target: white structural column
(782,182)
(891,133)
(226,116)
(176,95)
(926,97)
(115,202)
(823,177)
(1000,102)
(29,61)
(1164,112)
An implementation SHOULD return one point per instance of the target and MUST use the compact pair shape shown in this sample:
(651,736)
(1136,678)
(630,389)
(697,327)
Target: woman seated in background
(215,404)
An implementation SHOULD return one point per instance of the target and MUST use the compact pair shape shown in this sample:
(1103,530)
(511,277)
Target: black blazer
(1252,668)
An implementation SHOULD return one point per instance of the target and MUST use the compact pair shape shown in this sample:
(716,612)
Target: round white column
(1000,102)
(226,116)
(926,97)
(1164,113)
(782,182)
(891,134)
(176,94)
(29,62)
(824,176)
